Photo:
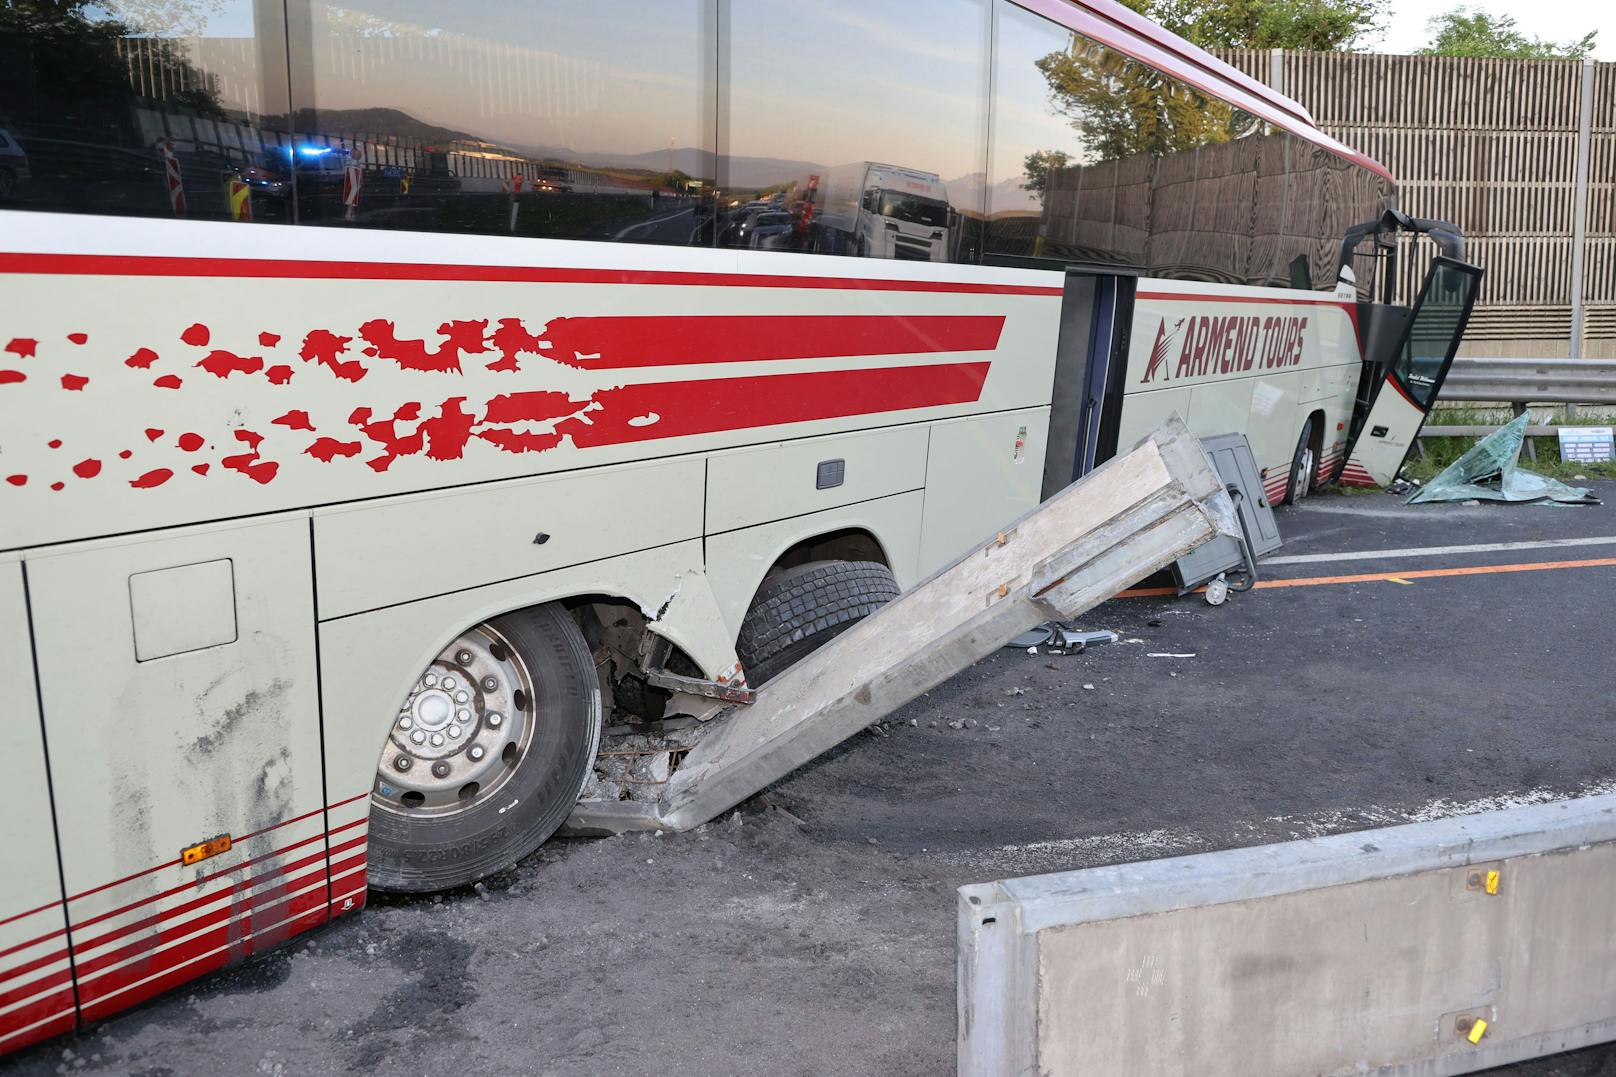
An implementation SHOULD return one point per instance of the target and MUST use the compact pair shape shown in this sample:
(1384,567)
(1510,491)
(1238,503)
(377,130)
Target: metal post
(1579,218)
(1276,70)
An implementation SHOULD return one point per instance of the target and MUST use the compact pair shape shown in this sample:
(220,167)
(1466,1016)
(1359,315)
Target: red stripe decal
(61,976)
(619,343)
(1275,300)
(12,1024)
(1391,379)
(126,265)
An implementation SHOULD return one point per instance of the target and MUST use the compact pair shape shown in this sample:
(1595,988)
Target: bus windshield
(906,207)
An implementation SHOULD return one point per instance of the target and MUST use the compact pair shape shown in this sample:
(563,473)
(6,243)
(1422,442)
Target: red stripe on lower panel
(34,963)
(132,265)
(61,976)
(677,409)
(614,343)
(15,1033)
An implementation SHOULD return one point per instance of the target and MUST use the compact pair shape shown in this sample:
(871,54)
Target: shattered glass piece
(1490,471)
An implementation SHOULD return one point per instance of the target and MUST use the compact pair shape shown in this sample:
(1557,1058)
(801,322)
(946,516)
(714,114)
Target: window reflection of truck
(883,211)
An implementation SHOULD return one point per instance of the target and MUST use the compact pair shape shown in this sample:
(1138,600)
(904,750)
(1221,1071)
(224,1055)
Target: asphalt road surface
(812,932)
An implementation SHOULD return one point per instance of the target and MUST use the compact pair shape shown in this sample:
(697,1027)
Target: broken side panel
(1409,389)
(36,980)
(178,679)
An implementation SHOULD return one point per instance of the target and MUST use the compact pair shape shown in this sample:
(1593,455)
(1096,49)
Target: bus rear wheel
(487,754)
(801,609)
(1302,467)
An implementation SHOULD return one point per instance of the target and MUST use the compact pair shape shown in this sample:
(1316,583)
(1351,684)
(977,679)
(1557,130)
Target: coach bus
(397,399)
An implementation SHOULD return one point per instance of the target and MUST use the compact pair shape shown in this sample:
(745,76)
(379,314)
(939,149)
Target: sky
(1557,20)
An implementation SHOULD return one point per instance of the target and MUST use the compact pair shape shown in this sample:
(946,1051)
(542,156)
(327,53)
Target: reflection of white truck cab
(882,211)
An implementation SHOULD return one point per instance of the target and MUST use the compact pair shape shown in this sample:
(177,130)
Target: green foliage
(1039,164)
(1318,25)
(1465,31)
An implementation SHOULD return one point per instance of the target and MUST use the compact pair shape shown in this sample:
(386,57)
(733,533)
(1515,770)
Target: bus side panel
(36,983)
(178,679)
(739,559)
(981,474)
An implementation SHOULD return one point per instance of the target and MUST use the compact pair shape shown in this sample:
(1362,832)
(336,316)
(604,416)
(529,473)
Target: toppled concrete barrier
(1132,516)
(1434,948)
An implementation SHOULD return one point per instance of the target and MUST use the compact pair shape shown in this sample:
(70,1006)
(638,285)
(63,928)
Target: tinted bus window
(855,128)
(532,118)
(161,109)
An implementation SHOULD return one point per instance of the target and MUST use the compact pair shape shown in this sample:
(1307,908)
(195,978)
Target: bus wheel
(801,609)
(487,754)
(1302,465)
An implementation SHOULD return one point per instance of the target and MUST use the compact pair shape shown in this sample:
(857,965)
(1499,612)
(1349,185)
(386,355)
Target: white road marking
(1069,854)
(1438,551)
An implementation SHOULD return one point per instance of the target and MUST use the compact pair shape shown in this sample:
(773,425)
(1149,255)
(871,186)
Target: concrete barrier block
(1434,948)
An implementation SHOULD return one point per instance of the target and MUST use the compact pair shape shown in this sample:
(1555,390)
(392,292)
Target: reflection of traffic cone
(353,178)
(404,185)
(171,177)
(238,199)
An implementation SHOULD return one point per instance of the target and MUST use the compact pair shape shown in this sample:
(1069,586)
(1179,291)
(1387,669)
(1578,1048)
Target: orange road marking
(1396,577)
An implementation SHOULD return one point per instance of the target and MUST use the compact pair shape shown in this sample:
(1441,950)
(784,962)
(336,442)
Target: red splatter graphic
(87,469)
(125,454)
(248,463)
(279,374)
(10,376)
(268,340)
(154,477)
(222,364)
(385,434)
(17,480)
(167,381)
(326,348)
(153,433)
(536,406)
(54,443)
(143,358)
(74,382)
(200,469)
(197,335)
(58,485)
(190,442)
(23,347)
(296,419)
(459,338)
(78,338)
(512,338)
(325,449)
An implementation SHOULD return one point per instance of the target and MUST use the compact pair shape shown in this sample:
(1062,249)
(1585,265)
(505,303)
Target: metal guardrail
(1532,381)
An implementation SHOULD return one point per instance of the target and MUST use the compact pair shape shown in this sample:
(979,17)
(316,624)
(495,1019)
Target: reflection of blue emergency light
(313,151)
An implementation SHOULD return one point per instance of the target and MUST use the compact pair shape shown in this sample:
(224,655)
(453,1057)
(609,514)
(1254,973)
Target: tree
(1467,31)
(1317,25)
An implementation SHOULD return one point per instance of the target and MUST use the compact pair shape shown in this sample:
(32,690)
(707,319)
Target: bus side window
(163,109)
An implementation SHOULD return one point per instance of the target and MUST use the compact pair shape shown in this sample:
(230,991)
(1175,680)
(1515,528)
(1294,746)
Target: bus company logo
(1233,344)
(1160,350)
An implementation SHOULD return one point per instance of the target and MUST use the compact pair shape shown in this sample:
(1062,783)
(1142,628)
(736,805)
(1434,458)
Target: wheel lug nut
(489,684)
(476,751)
(440,769)
(462,697)
(437,740)
(448,682)
(402,762)
(418,737)
(463,714)
(493,718)
(404,723)
(430,679)
(454,731)
(463,657)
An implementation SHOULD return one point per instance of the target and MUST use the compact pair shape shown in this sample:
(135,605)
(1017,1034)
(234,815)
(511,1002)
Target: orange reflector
(195,854)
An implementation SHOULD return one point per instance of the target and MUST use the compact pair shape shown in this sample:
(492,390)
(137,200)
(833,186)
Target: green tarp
(1490,471)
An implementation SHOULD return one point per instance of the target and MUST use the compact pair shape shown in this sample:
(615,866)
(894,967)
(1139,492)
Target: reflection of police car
(13,164)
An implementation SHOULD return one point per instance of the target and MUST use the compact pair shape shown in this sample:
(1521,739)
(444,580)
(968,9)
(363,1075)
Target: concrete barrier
(1433,948)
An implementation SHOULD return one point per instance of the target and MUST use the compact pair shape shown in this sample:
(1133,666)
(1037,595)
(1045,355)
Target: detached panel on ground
(1435,948)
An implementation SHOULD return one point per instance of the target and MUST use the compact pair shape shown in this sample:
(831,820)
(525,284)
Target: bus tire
(449,815)
(1300,483)
(801,609)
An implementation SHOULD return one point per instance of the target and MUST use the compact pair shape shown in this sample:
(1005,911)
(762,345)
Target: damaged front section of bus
(1406,350)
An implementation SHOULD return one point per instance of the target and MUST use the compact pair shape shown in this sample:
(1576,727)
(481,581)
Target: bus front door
(1414,376)
(1091,357)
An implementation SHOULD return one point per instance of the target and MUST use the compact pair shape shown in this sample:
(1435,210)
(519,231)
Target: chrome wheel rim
(1303,482)
(461,732)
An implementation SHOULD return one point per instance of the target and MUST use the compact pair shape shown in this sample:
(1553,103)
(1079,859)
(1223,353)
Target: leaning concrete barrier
(1432,948)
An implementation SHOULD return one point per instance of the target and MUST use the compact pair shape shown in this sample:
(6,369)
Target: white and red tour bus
(397,399)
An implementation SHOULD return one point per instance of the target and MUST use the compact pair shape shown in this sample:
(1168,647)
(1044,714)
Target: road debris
(1490,471)
(1171,654)
(1053,634)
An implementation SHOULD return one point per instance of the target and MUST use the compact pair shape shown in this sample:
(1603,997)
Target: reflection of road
(673,226)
